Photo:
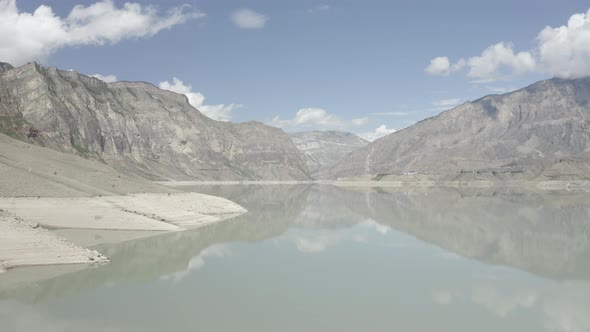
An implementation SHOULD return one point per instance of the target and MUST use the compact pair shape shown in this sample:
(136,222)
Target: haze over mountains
(143,131)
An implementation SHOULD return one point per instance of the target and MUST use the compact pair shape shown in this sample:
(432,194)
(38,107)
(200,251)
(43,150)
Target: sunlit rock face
(325,148)
(518,134)
(139,129)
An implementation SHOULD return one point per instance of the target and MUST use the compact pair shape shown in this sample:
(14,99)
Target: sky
(368,67)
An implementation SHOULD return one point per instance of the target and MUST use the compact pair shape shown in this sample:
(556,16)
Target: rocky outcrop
(326,148)
(5,66)
(139,129)
(520,134)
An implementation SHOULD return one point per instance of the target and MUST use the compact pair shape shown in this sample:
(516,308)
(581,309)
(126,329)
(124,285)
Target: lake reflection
(323,258)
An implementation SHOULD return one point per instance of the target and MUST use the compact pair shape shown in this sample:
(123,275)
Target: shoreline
(30,227)
(531,185)
(38,231)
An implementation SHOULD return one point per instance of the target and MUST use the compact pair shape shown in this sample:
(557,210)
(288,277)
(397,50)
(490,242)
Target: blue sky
(350,65)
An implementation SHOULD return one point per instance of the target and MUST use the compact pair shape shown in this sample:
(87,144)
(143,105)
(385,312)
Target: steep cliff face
(326,148)
(139,129)
(517,133)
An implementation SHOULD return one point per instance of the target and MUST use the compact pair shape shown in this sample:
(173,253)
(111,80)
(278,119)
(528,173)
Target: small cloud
(360,121)
(317,9)
(249,19)
(499,90)
(392,113)
(379,132)
(220,112)
(441,66)
(316,118)
(106,78)
(447,102)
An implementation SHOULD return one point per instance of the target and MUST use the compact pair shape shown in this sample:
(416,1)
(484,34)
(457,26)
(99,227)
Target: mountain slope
(29,170)
(325,148)
(139,129)
(516,134)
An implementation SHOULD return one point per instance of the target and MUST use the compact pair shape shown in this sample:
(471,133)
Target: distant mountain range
(325,148)
(540,131)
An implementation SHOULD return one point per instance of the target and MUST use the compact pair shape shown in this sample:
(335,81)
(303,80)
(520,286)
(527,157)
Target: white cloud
(220,112)
(316,118)
(320,8)
(392,113)
(563,52)
(500,90)
(106,78)
(379,132)
(447,102)
(249,19)
(360,121)
(439,66)
(34,36)
(498,58)
(442,66)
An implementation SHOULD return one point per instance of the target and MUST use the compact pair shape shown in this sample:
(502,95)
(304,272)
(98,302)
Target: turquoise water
(321,258)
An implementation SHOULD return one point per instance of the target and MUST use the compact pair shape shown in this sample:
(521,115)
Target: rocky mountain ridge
(139,129)
(516,135)
(325,148)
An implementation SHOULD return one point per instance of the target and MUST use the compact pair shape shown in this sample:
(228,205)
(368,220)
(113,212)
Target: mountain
(29,170)
(325,148)
(5,66)
(520,135)
(139,129)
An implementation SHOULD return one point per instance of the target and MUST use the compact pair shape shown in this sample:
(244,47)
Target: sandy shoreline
(26,244)
(26,224)
(55,204)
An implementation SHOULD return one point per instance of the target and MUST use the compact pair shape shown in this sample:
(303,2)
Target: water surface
(322,258)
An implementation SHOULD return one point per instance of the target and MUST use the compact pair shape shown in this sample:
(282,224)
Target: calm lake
(323,258)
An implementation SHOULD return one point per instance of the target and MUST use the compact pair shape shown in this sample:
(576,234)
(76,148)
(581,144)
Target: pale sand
(97,219)
(85,213)
(59,191)
(25,244)
(146,212)
(29,170)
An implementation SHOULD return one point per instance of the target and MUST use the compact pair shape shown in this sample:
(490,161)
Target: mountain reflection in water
(328,258)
